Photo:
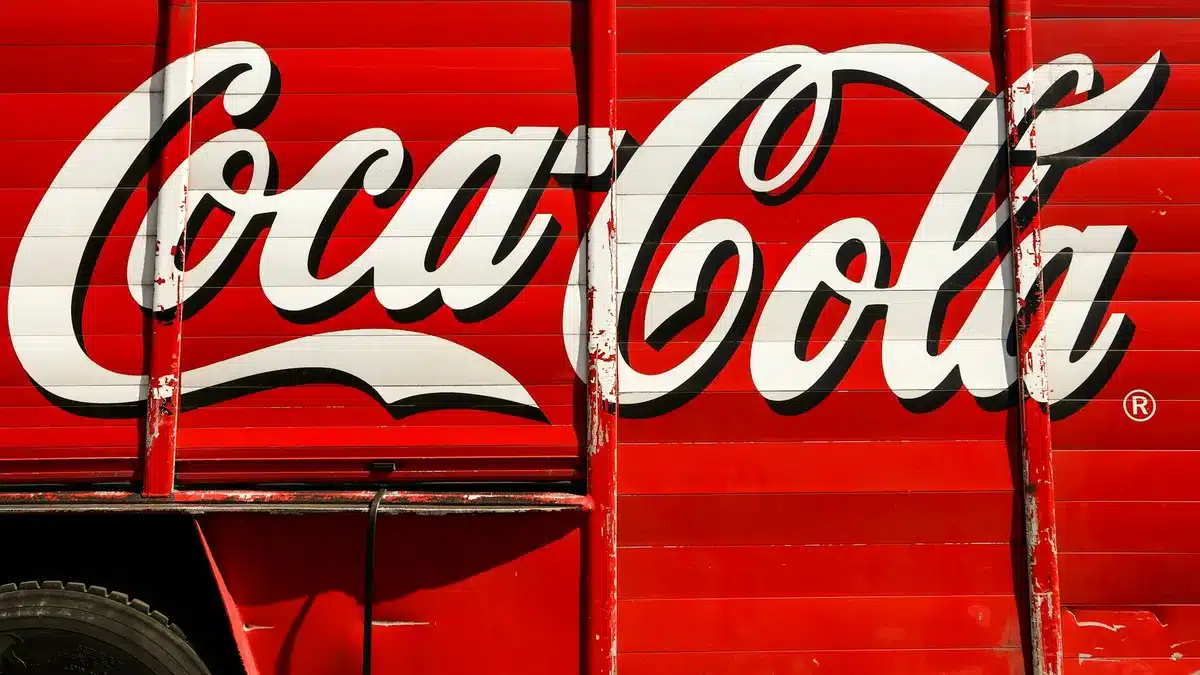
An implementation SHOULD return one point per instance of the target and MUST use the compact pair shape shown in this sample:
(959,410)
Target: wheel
(57,629)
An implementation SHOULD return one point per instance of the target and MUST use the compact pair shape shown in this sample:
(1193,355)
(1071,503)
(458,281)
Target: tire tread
(100,592)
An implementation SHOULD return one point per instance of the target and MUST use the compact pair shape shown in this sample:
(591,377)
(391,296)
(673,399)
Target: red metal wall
(453,594)
(800,490)
(1126,509)
(419,70)
(856,536)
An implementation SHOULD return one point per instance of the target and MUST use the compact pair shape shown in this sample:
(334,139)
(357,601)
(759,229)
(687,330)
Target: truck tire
(53,628)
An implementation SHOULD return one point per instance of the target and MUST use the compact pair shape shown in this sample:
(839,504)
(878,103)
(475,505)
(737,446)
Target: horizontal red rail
(199,501)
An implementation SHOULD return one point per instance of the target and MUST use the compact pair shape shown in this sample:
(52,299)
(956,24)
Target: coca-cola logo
(506,239)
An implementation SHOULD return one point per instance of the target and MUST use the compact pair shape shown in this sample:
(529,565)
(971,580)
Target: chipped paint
(1098,624)
(209,501)
(1185,642)
(166,328)
(379,623)
(1033,385)
(602,372)
(165,389)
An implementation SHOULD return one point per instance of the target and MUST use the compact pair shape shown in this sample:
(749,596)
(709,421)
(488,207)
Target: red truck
(539,337)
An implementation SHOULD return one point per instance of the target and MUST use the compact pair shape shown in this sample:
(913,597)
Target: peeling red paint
(601,562)
(166,333)
(1035,443)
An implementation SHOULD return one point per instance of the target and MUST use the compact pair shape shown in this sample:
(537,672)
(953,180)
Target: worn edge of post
(1037,488)
(164,367)
(602,387)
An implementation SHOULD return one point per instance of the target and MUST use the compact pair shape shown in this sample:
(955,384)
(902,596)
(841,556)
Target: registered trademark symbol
(1139,405)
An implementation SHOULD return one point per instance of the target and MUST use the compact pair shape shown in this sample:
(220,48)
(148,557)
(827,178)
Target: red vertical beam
(1037,471)
(237,628)
(178,39)
(601,566)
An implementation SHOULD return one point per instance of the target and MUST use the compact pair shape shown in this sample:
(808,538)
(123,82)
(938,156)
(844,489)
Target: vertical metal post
(601,563)
(166,326)
(1037,471)
(369,580)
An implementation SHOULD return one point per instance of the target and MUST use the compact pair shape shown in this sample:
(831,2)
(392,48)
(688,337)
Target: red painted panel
(1128,527)
(806,518)
(1155,9)
(780,624)
(720,468)
(1128,475)
(876,512)
(659,78)
(1103,425)
(1129,579)
(799,3)
(1116,39)
(79,22)
(975,661)
(716,29)
(1146,666)
(814,571)
(497,592)
(1166,632)
(299,618)
(54,69)
(357,23)
(960,419)
(1125,530)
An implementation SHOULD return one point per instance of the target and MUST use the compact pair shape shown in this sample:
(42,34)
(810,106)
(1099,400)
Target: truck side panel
(453,594)
(1125,503)
(820,462)
(801,538)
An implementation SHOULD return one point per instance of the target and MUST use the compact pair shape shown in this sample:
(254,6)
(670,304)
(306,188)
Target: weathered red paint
(600,637)
(1030,295)
(870,533)
(393,501)
(166,328)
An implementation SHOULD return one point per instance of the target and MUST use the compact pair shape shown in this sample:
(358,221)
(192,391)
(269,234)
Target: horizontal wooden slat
(1169,665)
(1141,631)
(714,29)
(79,22)
(1128,527)
(1117,9)
(813,571)
(826,623)
(769,519)
(1103,425)
(671,76)
(518,23)
(978,662)
(1127,475)
(1117,39)
(1129,579)
(722,468)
